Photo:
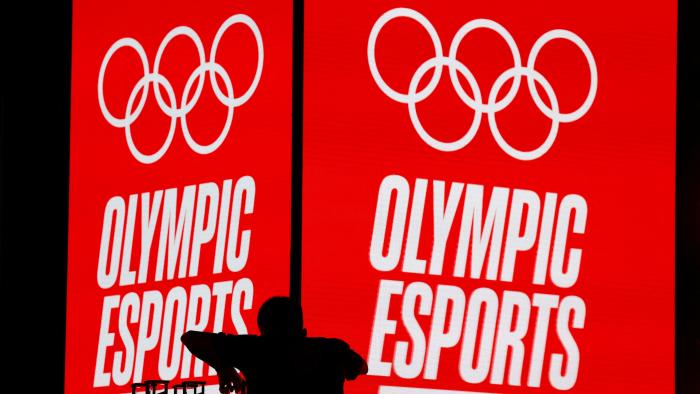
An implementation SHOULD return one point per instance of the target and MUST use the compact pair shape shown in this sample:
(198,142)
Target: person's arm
(206,346)
(352,363)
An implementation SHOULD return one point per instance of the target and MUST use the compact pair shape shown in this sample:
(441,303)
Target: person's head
(281,317)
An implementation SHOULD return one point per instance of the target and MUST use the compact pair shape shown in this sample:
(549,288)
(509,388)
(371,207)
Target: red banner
(489,193)
(179,182)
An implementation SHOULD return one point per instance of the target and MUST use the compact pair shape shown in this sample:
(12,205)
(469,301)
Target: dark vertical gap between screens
(297,148)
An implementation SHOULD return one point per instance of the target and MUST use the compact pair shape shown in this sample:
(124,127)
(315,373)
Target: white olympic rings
(492,105)
(185,106)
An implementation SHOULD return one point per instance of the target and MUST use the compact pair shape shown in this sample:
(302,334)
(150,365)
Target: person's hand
(230,380)
(354,365)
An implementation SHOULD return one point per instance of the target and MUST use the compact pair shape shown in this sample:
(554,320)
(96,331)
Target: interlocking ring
(476,103)
(174,109)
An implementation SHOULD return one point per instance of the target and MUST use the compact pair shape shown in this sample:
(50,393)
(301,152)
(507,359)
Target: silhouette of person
(282,359)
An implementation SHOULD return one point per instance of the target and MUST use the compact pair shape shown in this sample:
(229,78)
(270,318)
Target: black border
(34,112)
(688,200)
(34,168)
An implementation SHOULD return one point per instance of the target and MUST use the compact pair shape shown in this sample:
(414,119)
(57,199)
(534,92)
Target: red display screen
(488,194)
(180,182)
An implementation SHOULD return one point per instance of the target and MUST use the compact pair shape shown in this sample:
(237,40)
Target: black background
(34,152)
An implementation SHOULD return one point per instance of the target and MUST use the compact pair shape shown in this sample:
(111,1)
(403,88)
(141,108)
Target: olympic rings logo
(476,103)
(171,108)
